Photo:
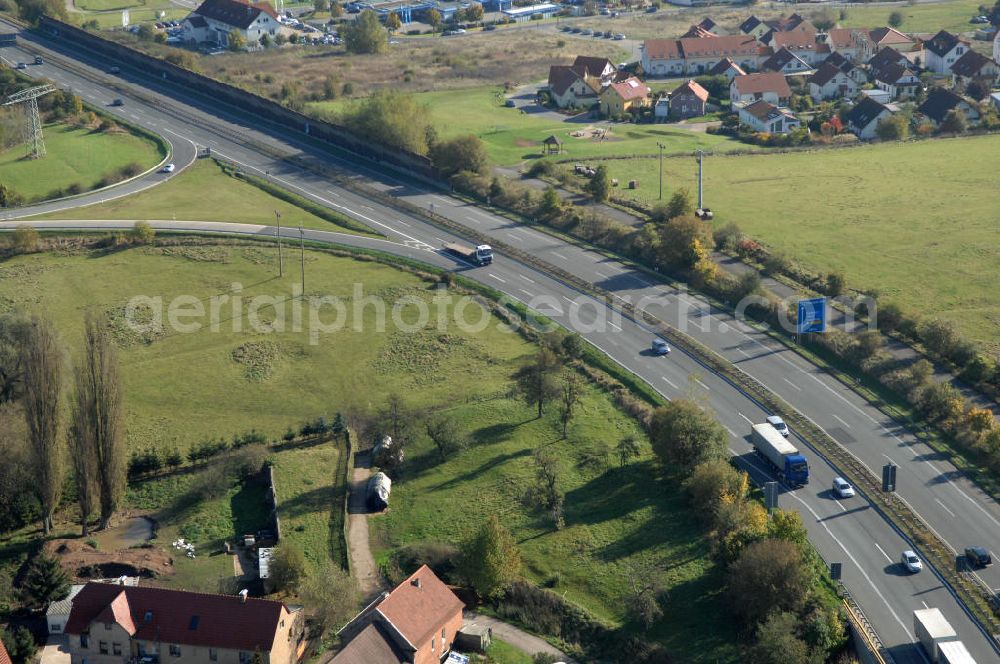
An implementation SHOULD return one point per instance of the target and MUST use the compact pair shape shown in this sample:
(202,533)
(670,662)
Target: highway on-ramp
(851,532)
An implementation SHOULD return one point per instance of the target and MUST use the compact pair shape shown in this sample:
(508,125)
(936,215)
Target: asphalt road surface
(849,531)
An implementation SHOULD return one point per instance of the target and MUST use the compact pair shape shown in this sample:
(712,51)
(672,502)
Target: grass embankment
(512,137)
(184,197)
(75,156)
(876,212)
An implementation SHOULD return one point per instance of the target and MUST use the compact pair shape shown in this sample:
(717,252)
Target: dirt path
(523,641)
(363,566)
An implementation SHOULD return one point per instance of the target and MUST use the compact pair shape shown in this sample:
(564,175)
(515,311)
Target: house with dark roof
(769,86)
(873,41)
(114,624)
(709,25)
(856,73)
(887,56)
(252,20)
(599,68)
(785,62)
(416,623)
(802,43)
(754,27)
(942,51)
(864,118)
(624,97)
(830,82)
(726,67)
(570,86)
(940,101)
(762,116)
(688,101)
(974,66)
(899,81)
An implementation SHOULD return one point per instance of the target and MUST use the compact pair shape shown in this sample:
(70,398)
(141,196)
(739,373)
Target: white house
(940,101)
(697,55)
(662,57)
(864,118)
(829,82)
(253,20)
(57,615)
(898,81)
(942,51)
(856,73)
(786,62)
(975,66)
(726,67)
(769,86)
(843,41)
(764,117)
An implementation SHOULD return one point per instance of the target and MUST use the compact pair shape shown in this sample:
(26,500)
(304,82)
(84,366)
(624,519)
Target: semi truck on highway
(770,444)
(939,639)
(481,255)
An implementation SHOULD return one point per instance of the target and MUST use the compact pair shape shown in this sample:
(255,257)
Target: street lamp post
(661,146)
(701,160)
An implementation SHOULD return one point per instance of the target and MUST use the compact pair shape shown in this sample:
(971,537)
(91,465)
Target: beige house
(624,97)
(113,624)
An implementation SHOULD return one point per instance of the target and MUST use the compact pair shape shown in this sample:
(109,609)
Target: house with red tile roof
(624,96)
(688,101)
(726,67)
(114,624)
(769,86)
(697,55)
(873,41)
(416,623)
(4,655)
(844,41)
(801,43)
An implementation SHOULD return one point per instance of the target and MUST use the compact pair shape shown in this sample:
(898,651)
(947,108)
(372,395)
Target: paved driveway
(55,650)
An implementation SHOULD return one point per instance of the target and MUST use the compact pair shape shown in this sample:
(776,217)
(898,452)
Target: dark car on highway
(978,557)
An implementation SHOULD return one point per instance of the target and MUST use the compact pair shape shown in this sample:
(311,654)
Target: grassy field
(184,198)
(619,521)
(75,156)
(512,137)
(881,213)
(107,5)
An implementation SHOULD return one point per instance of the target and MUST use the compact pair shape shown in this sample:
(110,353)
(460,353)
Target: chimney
(243,596)
(415,582)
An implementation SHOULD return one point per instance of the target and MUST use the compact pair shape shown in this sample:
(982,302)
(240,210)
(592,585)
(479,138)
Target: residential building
(754,27)
(4,655)
(252,20)
(114,624)
(57,615)
(887,56)
(572,86)
(709,25)
(802,43)
(662,57)
(688,101)
(842,41)
(899,81)
(624,97)
(769,86)
(698,31)
(600,68)
(762,116)
(872,41)
(974,66)
(940,101)
(995,100)
(857,74)
(785,62)
(697,55)
(524,14)
(726,67)
(414,624)
(830,82)
(864,118)
(942,51)
(661,108)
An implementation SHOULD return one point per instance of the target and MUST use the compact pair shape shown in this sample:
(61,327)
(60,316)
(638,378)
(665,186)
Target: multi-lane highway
(851,531)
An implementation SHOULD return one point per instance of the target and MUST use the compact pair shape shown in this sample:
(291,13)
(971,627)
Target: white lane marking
(333,193)
(441,200)
(841,421)
(745,354)
(925,604)
(557,255)
(841,397)
(601,274)
(880,550)
(529,294)
(475,221)
(889,459)
(669,382)
(969,498)
(749,421)
(731,432)
(791,383)
(530,281)
(697,380)
(841,505)
(493,276)
(943,507)
(861,569)
(403,222)
(568,300)
(614,326)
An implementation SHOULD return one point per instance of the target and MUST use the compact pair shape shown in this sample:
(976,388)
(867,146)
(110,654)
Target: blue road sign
(812,315)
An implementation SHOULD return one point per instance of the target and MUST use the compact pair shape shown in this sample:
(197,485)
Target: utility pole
(302,254)
(277,234)
(661,146)
(701,165)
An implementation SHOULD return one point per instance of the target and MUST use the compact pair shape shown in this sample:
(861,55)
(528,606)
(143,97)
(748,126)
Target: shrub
(26,240)
(441,557)
(143,233)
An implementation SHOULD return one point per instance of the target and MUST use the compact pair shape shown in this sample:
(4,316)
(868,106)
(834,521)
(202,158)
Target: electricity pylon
(33,124)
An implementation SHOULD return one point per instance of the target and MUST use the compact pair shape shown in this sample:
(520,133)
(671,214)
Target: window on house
(442,635)
(116,648)
(245,658)
(85,640)
(107,627)
(175,651)
(432,644)
(213,655)
(102,647)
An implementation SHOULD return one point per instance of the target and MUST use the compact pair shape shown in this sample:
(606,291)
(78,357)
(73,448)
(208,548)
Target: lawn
(184,198)
(512,137)
(75,156)
(882,213)
(111,19)
(620,522)
(107,5)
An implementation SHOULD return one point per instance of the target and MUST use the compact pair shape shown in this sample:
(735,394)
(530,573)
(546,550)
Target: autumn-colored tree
(491,560)
(683,435)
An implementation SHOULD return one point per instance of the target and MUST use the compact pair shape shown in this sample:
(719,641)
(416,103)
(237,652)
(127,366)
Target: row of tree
(32,366)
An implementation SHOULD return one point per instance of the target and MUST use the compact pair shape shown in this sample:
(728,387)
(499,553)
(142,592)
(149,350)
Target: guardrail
(864,628)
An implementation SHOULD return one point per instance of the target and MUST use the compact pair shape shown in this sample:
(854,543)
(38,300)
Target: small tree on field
(26,240)
(444,431)
(474,13)
(896,19)
(778,642)
(769,574)
(143,233)
(536,381)
(365,35)
(287,567)
(626,449)
(491,560)
(683,435)
(569,398)
(599,186)
(455,155)
(680,204)
(392,22)
(331,597)
(336,11)
(896,128)
(434,19)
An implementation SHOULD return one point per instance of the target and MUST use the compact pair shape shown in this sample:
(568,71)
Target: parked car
(660,347)
(38,60)
(619,37)
(608,34)
(577,30)
(21,65)
(978,557)
(489,27)
(910,562)
(778,424)
(169,168)
(118,102)
(605,12)
(842,488)
(588,32)
(651,10)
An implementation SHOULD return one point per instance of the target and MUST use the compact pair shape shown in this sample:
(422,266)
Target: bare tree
(569,398)
(444,431)
(98,414)
(536,380)
(42,361)
(84,460)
